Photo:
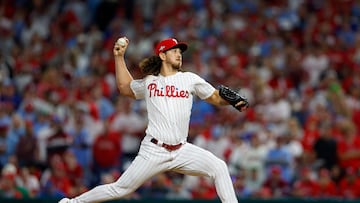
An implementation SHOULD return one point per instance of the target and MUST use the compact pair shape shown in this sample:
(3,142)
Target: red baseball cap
(168,44)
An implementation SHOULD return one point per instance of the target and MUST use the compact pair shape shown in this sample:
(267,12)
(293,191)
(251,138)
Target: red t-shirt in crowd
(344,146)
(350,189)
(327,190)
(75,173)
(106,149)
(306,188)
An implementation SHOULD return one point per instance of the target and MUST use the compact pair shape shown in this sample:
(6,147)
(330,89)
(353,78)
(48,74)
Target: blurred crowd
(64,128)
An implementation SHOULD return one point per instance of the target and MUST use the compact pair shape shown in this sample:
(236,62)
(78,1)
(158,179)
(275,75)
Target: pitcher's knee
(219,167)
(223,166)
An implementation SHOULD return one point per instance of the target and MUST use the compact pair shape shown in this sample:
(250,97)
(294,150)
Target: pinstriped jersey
(169,101)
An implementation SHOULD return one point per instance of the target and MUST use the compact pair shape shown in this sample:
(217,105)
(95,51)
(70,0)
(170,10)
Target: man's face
(174,58)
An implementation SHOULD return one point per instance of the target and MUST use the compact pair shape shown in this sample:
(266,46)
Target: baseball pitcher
(168,92)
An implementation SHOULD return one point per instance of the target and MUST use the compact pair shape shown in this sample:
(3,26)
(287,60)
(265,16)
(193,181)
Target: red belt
(167,146)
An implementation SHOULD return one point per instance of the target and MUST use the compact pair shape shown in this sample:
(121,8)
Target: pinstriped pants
(153,159)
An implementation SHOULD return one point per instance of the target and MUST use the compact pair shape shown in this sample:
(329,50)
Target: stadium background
(64,128)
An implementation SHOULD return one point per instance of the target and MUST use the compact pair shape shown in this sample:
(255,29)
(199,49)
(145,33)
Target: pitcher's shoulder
(188,74)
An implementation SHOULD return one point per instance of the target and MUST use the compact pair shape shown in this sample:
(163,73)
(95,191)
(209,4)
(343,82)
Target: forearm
(123,76)
(215,99)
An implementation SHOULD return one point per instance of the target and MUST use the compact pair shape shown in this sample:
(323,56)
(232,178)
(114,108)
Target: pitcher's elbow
(123,90)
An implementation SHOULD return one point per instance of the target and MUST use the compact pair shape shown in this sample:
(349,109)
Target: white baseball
(121,41)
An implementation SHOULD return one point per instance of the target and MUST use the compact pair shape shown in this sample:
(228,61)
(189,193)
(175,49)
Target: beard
(176,65)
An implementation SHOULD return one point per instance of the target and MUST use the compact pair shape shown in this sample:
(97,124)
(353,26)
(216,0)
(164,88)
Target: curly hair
(151,65)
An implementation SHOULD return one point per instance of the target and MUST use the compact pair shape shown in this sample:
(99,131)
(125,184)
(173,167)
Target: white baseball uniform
(169,101)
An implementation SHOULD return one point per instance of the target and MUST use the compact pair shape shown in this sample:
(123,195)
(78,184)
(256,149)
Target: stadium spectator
(254,164)
(75,173)
(106,152)
(325,147)
(239,184)
(27,147)
(129,123)
(15,132)
(9,95)
(204,190)
(280,156)
(306,186)
(349,185)
(54,180)
(348,147)
(4,150)
(239,150)
(220,141)
(275,184)
(293,134)
(80,140)
(29,181)
(8,186)
(156,187)
(311,134)
(314,63)
(327,187)
(58,141)
(178,192)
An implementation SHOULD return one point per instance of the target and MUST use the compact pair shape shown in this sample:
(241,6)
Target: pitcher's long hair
(151,65)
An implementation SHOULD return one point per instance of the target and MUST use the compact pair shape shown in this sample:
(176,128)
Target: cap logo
(162,48)
(169,44)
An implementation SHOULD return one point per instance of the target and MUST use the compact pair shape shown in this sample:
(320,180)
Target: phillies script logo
(169,91)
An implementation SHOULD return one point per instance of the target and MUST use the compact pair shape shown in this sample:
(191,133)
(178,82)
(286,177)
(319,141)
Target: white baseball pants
(153,159)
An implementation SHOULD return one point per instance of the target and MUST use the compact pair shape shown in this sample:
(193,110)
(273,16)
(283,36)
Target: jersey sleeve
(202,88)
(138,87)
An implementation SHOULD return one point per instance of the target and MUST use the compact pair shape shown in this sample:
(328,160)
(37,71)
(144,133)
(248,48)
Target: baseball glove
(233,98)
